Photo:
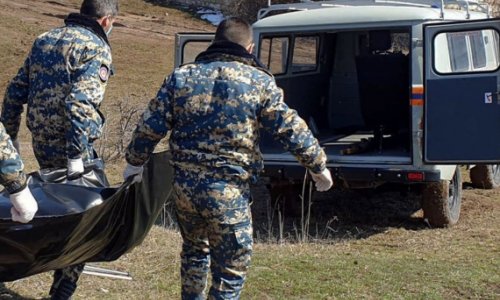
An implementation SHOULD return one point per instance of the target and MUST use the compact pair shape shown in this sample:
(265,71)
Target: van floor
(362,148)
(357,148)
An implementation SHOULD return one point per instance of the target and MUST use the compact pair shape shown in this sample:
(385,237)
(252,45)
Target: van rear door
(461,86)
(189,45)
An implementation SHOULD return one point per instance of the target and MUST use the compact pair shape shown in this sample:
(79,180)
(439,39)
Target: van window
(496,41)
(305,54)
(192,49)
(478,50)
(458,52)
(466,51)
(274,53)
(400,42)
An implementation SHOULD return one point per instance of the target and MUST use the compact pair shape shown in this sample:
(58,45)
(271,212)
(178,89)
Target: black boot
(57,279)
(64,291)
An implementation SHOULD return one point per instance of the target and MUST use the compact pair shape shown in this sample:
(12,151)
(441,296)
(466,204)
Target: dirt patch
(142,44)
(355,214)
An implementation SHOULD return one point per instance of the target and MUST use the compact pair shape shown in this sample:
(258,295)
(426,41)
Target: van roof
(360,15)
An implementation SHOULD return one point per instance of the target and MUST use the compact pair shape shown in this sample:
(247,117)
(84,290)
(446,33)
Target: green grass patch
(347,272)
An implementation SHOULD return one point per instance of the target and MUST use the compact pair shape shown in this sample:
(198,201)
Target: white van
(395,91)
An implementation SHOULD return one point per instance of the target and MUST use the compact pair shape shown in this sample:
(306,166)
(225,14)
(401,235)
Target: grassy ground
(364,245)
(389,263)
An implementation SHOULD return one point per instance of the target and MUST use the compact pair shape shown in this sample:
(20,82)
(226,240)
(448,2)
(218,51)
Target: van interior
(351,87)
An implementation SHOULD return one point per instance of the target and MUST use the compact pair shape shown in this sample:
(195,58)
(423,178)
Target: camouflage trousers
(51,153)
(216,226)
(64,283)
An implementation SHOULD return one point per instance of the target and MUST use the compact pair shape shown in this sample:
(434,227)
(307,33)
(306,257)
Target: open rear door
(189,45)
(462,85)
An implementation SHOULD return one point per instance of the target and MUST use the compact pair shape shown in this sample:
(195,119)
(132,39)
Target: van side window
(305,54)
(458,52)
(496,41)
(273,53)
(466,51)
(478,48)
(400,42)
(192,48)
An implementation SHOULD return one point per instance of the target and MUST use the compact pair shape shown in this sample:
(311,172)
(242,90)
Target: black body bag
(69,228)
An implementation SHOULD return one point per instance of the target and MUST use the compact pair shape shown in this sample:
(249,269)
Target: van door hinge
(417,43)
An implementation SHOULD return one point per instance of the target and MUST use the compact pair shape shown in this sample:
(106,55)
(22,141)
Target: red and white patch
(104,73)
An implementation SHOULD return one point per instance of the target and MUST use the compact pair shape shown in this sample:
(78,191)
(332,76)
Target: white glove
(15,143)
(75,167)
(135,171)
(323,180)
(24,206)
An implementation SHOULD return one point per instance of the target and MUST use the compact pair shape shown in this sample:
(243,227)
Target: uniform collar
(88,23)
(225,50)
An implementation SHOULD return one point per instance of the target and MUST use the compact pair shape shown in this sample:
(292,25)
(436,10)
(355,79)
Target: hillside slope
(142,43)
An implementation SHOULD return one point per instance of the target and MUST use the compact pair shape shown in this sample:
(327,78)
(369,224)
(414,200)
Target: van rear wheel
(485,176)
(441,201)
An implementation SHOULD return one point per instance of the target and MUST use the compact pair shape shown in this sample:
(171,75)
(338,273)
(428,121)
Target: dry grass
(387,262)
(373,251)
(143,51)
(154,268)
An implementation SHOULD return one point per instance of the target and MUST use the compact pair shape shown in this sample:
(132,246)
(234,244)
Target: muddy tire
(485,176)
(441,201)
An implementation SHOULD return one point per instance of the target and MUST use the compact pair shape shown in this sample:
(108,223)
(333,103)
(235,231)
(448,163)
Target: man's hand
(24,206)
(16,145)
(75,167)
(323,180)
(135,171)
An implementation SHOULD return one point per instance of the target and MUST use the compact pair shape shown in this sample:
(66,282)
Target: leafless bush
(305,204)
(495,5)
(118,130)
(167,218)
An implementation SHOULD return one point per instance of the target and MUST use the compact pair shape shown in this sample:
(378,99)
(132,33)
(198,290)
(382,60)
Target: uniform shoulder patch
(104,73)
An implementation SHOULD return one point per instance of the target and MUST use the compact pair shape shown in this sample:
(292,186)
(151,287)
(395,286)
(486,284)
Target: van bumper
(358,174)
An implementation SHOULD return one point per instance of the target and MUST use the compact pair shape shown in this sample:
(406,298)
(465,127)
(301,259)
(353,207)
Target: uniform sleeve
(82,104)
(16,95)
(290,130)
(12,176)
(153,126)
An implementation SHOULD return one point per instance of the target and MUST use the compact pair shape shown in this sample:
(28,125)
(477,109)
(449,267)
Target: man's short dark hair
(99,8)
(234,30)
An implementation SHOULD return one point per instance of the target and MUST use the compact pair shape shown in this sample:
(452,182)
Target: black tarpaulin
(69,228)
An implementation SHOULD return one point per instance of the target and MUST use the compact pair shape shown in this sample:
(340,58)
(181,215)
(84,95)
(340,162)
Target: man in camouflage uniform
(213,109)
(63,82)
(13,179)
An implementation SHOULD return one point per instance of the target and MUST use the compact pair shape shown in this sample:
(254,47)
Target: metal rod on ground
(96,271)
(99,269)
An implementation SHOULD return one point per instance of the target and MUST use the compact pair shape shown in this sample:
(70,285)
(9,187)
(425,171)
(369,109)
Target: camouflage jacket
(213,109)
(12,176)
(62,82)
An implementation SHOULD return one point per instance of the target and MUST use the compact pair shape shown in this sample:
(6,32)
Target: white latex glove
(16,145)
(135,171)
(75,167)
(24,206)
(323,180)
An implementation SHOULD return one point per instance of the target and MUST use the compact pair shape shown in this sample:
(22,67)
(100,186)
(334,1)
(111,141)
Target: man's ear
(104,21)
(250,48)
